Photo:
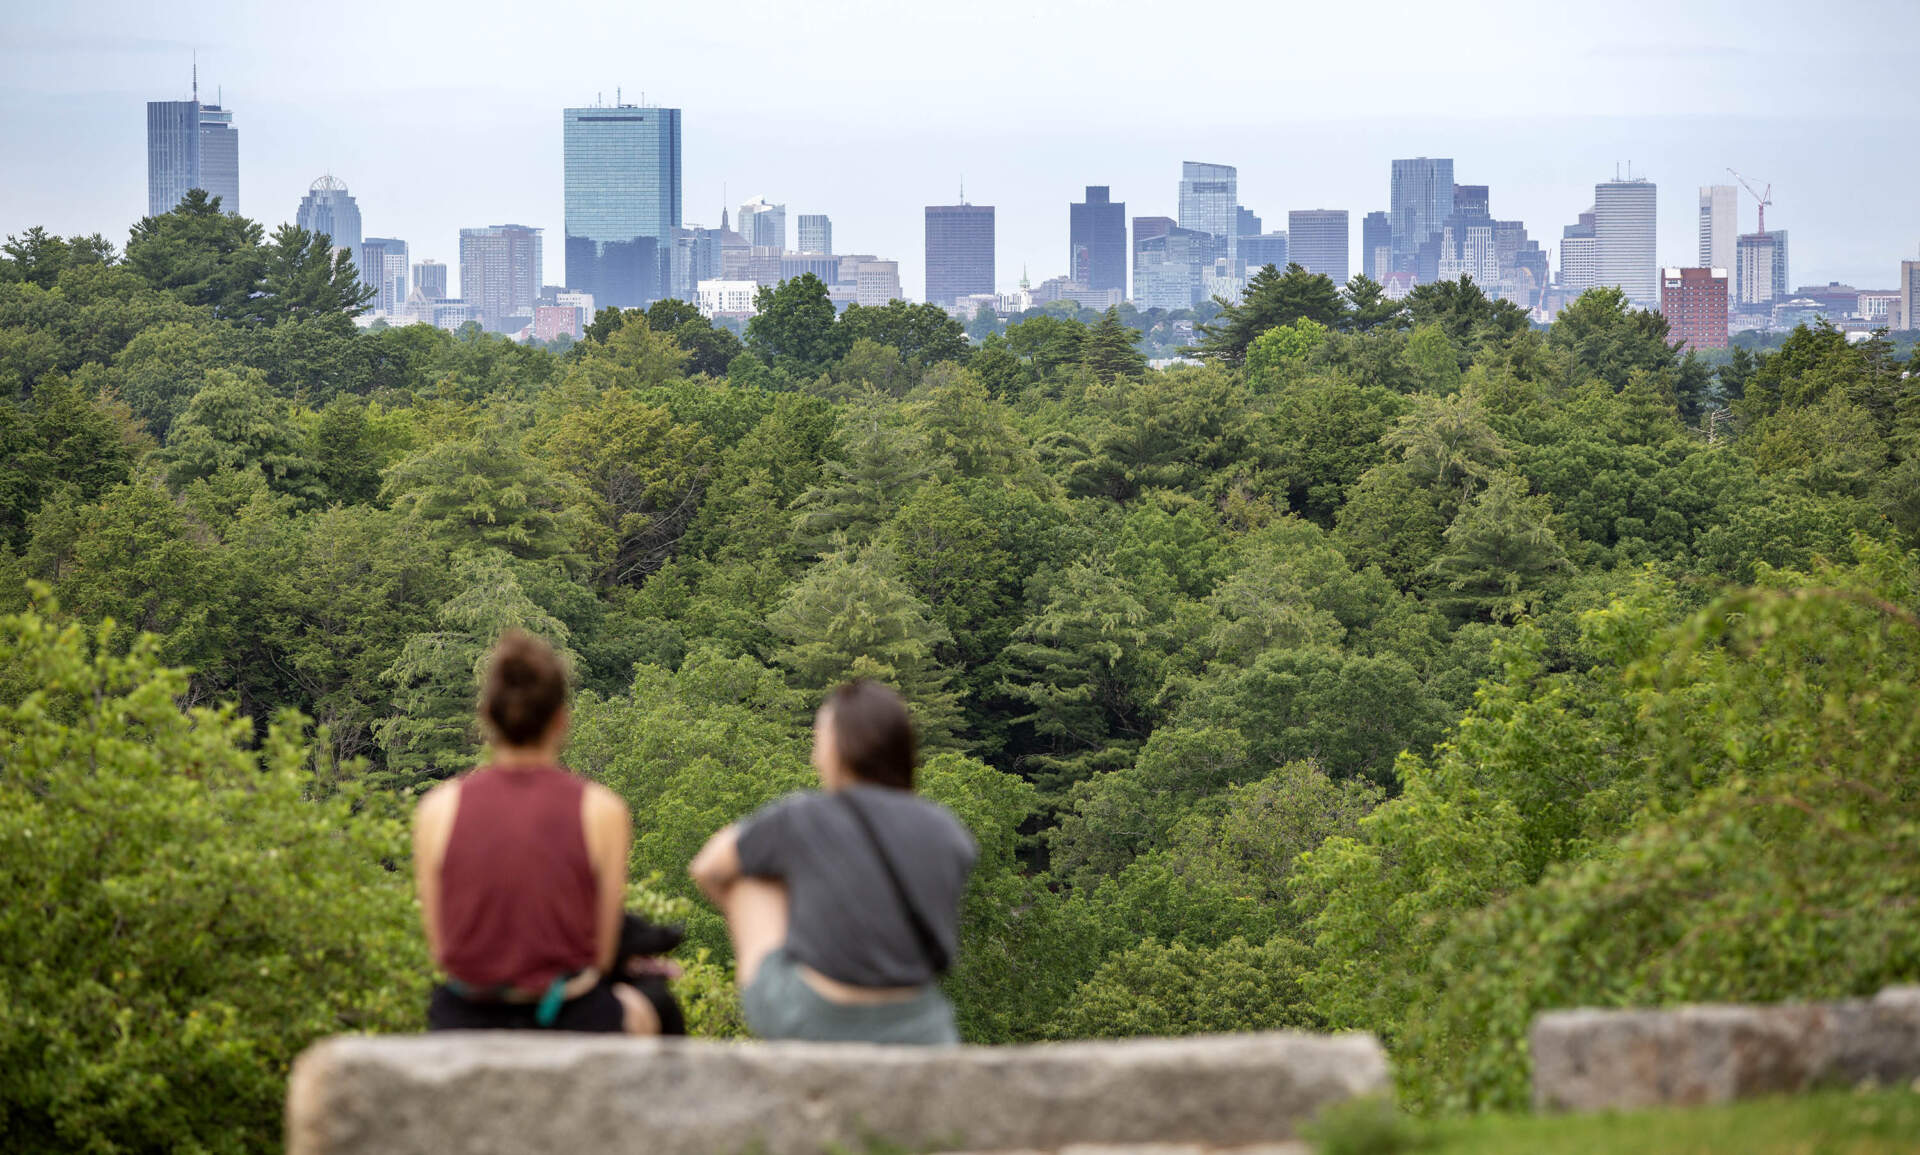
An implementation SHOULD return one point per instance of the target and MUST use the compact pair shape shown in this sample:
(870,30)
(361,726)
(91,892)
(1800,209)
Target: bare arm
(432,826)
(717,867)
(609,831)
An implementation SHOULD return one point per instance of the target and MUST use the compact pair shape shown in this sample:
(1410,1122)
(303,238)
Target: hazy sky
(444,115)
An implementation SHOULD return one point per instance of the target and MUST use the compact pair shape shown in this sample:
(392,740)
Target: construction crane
(1765,198)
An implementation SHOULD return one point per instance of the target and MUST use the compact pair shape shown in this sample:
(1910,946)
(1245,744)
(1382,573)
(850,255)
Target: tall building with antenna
(959,251)
(622,187)
(191,145)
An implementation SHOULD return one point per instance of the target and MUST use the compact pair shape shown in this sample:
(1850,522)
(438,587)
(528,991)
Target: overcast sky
(444,115)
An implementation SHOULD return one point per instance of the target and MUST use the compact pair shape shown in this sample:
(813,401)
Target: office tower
(622,188)
(430,277)
(1694,302)
(500,275)
(1210,203)
(1471,200)
(1376,245)
(1623,239)
(816,233)
(383,268)
(1421,198)
(868,281)
(1522,264)
(1170,266)
(330,209)
(1719,225)
(763,225)
(1907,312)
(1246,222)
(824,266)
(1317,242)
(1097,253)
(191,145)
(1263,250)
(1761,261)
(1145,227)
(1579,261)
(959,252)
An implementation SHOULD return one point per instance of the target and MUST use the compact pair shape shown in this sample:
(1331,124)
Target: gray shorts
(780,1005)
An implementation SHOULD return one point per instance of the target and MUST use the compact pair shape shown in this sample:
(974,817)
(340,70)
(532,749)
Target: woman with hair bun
(521,869)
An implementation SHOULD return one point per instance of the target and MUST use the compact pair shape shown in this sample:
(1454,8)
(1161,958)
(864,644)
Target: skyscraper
(500,274)
(1909,315)
(816,233)
(1317,242)
(1210,203)
(383,267)
(1761,261)
(764,225)
(430,277)
(1266,249)
(1376,245)
(1719,225)
(329,208)
(622,188)
(959,252)
(1170,264)
(1097,252)
(191,145)
(1421,199)
(1579,260)
(1623,236)
(1694,302)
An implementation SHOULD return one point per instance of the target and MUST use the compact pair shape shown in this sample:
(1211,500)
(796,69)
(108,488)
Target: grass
(1828,1123)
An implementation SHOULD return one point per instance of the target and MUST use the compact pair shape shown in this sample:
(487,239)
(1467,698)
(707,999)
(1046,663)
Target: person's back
(844,906)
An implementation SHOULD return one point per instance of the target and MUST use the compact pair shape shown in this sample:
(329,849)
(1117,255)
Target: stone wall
(1618,1060)
(483,1093)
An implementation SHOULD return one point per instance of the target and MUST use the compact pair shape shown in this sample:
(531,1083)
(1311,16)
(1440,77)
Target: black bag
(922,930)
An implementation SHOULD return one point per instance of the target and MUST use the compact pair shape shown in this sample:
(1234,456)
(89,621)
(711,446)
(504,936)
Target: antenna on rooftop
(616,96)
(196,74)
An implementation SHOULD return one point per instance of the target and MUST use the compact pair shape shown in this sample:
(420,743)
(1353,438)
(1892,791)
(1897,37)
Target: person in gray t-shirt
(844,905)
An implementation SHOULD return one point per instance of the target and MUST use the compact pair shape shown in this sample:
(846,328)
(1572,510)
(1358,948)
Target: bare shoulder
(604,803)
(437,804)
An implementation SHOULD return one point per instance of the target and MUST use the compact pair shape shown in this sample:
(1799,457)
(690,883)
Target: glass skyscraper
(622,166)
(1317,242)
(1210,203)
(1422,199)
(1376,246)
(959,252)
(191,145)
(329,208)
(1097,257)
(383,268)
(816,233)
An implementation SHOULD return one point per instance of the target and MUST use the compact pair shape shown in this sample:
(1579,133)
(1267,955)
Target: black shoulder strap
(929,941)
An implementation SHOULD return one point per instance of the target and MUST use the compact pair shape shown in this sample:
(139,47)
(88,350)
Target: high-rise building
(1317,242)
(816,233)
(383,268)
(1719,225)
(1210,203)
(1694,302)
(330,209)
(1761,261)
(622,190)
(959,252)
(1376,245)
(1624,213)
(1421,198)
(430,277)
(1263,250)
(500,275)
(1097,253)
(1579,258)
(1170,265)
(1247,222)
(763,225)
(1908,318)
(191,145)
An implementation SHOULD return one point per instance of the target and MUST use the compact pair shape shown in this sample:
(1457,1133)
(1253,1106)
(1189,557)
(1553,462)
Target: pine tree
(1111,349)
(1498,550)
(856,495)
(1272,298)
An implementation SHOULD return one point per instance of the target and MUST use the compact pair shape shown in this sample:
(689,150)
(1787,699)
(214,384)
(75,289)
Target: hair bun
(526,685)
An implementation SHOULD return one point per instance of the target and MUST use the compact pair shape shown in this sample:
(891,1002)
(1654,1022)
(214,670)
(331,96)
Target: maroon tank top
(518,898)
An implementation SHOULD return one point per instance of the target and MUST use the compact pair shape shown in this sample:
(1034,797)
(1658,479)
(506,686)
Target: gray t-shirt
(846,920)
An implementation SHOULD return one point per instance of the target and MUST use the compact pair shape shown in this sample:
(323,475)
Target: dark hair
(526,686)
(873,733)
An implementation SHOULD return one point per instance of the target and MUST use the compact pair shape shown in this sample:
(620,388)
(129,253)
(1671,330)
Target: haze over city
(439,117)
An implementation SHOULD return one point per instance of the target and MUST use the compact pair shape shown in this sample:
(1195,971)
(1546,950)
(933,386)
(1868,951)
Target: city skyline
(72,89)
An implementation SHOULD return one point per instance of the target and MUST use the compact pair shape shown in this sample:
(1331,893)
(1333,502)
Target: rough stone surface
(492,1093)
(1591,1060)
